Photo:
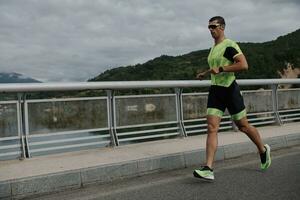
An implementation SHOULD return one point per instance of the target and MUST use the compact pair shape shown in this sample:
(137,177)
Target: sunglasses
(213,26)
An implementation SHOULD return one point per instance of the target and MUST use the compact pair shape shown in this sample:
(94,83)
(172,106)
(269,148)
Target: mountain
(264,60)
(15,78)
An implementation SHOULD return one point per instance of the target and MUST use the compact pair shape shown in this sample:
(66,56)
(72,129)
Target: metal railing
(31,127)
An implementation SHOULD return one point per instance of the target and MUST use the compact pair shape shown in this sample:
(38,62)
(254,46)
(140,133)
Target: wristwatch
(221,69)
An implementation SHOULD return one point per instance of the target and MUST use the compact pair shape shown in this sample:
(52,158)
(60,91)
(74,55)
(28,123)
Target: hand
(215,70)
(201,75)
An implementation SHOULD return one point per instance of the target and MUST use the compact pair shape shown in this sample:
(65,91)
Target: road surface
(238,178)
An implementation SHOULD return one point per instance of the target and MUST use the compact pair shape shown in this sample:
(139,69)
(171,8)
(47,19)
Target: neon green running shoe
(265,158)
(204,173)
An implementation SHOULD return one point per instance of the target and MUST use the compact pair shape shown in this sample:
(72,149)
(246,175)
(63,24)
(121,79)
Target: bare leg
(213,123)
(251,132)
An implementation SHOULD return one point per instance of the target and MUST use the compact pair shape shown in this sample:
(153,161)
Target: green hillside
(264,60)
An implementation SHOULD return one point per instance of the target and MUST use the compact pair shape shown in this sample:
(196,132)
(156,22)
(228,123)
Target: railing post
(24,125)
(20,126)
(179,112)
(112,118)
(275,103)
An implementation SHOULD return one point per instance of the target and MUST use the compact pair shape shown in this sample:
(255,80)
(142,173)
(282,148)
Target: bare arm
(240,64)
(201,75)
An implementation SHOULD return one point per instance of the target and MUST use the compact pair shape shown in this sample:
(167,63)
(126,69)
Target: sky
(75,40)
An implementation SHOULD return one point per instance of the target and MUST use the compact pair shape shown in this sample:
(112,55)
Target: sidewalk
(46,174)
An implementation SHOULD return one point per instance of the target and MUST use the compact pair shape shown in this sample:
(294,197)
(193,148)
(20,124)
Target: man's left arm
(239,64)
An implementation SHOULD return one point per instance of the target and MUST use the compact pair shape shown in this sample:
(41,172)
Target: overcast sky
(74,40)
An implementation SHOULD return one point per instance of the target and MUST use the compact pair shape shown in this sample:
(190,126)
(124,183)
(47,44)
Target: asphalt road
(238,178)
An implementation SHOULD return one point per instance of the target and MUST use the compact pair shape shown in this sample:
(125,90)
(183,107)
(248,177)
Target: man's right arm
(201,75)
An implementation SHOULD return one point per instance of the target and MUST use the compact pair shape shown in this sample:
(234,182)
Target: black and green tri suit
(224,91)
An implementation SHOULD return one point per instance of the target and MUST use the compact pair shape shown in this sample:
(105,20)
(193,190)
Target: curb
(45,184)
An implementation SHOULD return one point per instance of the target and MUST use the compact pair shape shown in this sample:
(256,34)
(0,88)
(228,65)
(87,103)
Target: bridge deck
(76,169)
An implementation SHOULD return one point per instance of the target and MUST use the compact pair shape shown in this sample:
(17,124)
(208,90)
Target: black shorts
(220,98)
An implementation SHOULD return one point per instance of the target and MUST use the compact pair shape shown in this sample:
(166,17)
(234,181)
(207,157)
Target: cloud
(68,40)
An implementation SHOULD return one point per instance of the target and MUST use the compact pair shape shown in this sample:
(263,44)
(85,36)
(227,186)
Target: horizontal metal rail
(10,153)
(68,146)
(69,140)
(145,125)
(10,146)
(68,132)
(149,137)
(147,131)
(66,99)
(122,85)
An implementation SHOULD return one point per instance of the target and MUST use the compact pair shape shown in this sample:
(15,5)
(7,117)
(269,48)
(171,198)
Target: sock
(207,168)
(263,157)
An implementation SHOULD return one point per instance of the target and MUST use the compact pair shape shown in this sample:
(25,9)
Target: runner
(224,59)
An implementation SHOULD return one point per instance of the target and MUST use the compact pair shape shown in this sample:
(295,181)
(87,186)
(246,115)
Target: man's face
(215,29)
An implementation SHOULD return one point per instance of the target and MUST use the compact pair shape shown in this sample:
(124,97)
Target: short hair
(220,20)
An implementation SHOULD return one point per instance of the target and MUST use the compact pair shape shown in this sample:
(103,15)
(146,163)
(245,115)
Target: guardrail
(31,127)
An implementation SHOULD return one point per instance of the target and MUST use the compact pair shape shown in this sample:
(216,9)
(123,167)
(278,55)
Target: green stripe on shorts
(239,115)
(215,112)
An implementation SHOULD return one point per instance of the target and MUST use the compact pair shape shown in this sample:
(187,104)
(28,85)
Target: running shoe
(265,158)
(204,173)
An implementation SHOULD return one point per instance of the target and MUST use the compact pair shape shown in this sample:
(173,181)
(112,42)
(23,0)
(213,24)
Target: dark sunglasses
(213,26)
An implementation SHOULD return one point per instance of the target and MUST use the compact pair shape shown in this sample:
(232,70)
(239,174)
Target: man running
(224,59)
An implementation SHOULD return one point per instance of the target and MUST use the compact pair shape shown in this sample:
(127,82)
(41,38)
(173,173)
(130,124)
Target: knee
(212,128)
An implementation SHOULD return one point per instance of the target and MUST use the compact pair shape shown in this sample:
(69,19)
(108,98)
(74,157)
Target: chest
(216,54)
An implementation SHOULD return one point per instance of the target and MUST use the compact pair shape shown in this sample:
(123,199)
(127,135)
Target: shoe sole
(201,177)
(269,155)
(268,148)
